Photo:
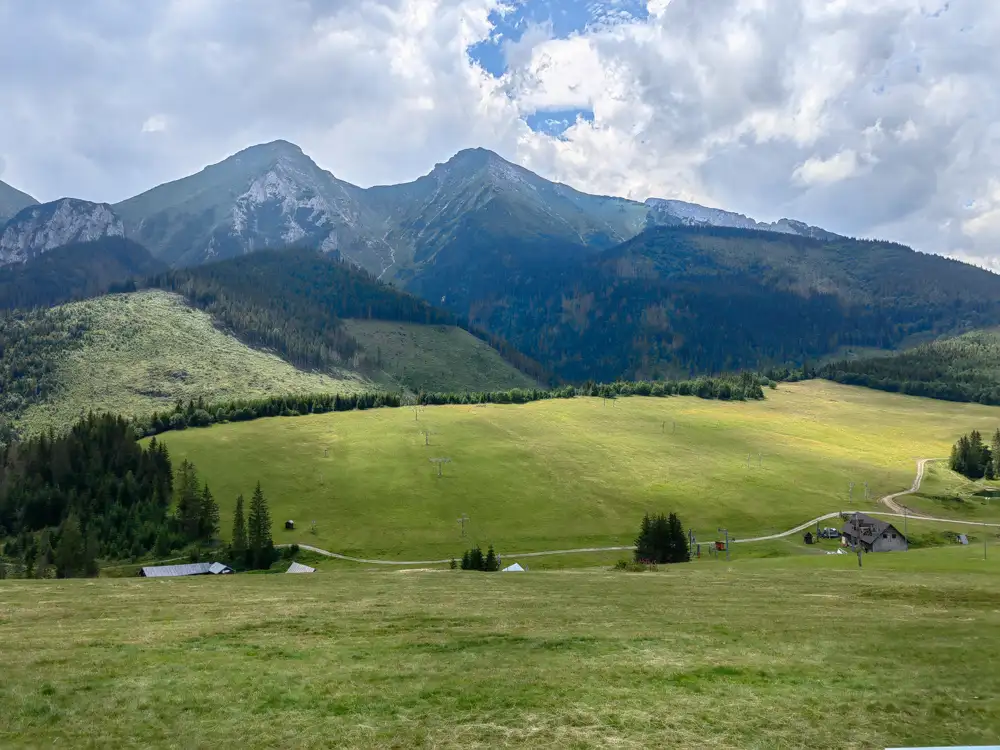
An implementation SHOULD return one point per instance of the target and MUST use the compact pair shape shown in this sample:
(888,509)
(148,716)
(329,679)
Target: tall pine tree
(69,553)
(208,527)
(188,500)
(239,539)
(259,531)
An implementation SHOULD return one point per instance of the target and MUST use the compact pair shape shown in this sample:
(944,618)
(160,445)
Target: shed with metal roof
(191,569)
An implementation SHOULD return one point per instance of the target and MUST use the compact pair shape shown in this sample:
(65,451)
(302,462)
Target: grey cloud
(720,101)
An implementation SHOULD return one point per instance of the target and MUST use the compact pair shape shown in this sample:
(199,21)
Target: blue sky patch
(557,122)
(564,17)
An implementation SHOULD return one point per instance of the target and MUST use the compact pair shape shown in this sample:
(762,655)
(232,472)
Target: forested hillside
(295,301)
(681,300)
(75,271)
(965,368)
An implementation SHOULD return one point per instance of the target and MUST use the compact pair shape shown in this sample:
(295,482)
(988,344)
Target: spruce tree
(491,564)
(70,549)
(259,531)
(239,538)
(679,550)
(187,500)
(161,548)
(466,560)
(644,542)
(476,558)
(209,522)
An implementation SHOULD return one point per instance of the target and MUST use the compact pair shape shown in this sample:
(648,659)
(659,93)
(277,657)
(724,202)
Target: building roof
(299,568)
(191,569)
(866,527)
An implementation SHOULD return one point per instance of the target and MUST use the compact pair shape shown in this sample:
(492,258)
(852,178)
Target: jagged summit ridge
(38,229)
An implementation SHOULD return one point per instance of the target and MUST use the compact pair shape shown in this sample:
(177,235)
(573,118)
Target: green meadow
(564,474)
(792,652)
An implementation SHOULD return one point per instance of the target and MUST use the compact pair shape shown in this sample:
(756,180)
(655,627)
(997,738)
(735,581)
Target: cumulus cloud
(155,124)
(868,117)
(815,171)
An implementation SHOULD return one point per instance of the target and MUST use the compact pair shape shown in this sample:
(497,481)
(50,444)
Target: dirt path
(889,501)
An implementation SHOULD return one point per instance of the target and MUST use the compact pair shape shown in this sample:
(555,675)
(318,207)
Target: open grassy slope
(144,351)
(574,473)
(435,357)
(790,653)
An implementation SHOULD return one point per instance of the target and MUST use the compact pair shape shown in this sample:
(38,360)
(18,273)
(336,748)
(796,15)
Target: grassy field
(573,473)
(435,358)
(786,653)
(947,494)
(144,351)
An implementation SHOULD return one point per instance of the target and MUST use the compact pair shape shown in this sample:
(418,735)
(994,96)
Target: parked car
(829,533)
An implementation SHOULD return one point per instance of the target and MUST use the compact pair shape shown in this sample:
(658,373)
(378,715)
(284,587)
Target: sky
(875,118)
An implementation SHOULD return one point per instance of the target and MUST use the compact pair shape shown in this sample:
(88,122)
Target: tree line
(964,369)
(745,386)
(474,559)
(95,493)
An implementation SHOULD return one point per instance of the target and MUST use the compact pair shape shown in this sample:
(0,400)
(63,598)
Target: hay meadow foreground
(793,652)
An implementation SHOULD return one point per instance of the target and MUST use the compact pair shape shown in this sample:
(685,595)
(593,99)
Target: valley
(486,375)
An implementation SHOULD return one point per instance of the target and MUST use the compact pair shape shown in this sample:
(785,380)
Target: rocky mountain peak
(12,201)
(40,228)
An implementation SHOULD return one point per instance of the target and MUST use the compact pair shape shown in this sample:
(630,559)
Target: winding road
(889,501)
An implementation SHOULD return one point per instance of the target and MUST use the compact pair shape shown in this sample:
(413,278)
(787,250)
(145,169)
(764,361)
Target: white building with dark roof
(873,534)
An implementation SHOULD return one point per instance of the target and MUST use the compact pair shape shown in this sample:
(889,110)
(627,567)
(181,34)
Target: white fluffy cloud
(868,117)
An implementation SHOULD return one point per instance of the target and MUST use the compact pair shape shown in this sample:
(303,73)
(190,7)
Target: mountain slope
(40,228)
(12,201)
(964,368)
(74,272)
(295,302)
(266,196)
(133,354)
(478,221)
(688,299)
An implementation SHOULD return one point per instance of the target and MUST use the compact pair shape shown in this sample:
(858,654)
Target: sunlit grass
(792,652)
(574,473)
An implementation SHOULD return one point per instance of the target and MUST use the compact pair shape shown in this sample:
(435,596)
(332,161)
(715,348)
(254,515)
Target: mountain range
(273,195)
(589,286)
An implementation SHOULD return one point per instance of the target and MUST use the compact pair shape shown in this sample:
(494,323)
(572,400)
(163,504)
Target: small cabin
(808,537)
(289,525)
(873,534)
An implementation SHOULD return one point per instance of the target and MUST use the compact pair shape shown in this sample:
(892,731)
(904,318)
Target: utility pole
(726,532)
(857,535)
(463,520)
(440,463)
(850,494)
(748,461)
